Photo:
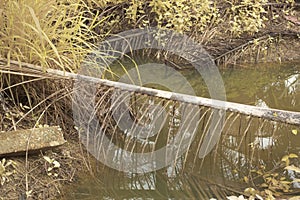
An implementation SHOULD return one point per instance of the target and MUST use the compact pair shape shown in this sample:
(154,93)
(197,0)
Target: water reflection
(292,83)
(246,144)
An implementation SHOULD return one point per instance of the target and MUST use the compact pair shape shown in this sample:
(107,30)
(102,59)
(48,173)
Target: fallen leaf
(296,180)
(295,198)
(241,197)
(292,155)
(49,160)
(259,197)
(284,158)
(56,164)
(295,131)
(2,170)
(293,168)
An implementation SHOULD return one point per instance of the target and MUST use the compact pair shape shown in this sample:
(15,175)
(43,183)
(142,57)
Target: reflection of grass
(46,33)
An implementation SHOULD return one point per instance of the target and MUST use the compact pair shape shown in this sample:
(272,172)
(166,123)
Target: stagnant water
(223,172)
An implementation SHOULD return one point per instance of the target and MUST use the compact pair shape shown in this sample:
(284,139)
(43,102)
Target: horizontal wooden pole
(284,116)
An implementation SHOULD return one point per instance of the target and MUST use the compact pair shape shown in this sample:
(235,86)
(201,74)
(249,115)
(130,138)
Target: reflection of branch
(278,165)
(255,40)
(229,162)
(241,46)
(230,188)
(284,92)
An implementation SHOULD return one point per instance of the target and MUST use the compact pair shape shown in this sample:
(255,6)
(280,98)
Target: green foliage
(243,16)
(182,15)
(179,15)
(247,16)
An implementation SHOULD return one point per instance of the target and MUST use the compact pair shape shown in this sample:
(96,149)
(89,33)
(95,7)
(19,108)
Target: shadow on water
(247,145)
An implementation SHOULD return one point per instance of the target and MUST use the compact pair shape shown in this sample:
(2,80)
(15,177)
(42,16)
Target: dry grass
(51,34)
(47,33)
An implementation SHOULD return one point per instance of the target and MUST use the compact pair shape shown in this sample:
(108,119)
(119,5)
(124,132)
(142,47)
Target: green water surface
(221,173)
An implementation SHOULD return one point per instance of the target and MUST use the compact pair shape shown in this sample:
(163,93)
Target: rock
(14,143)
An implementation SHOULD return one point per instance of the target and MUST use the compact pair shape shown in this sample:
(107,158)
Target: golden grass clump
(52,34)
